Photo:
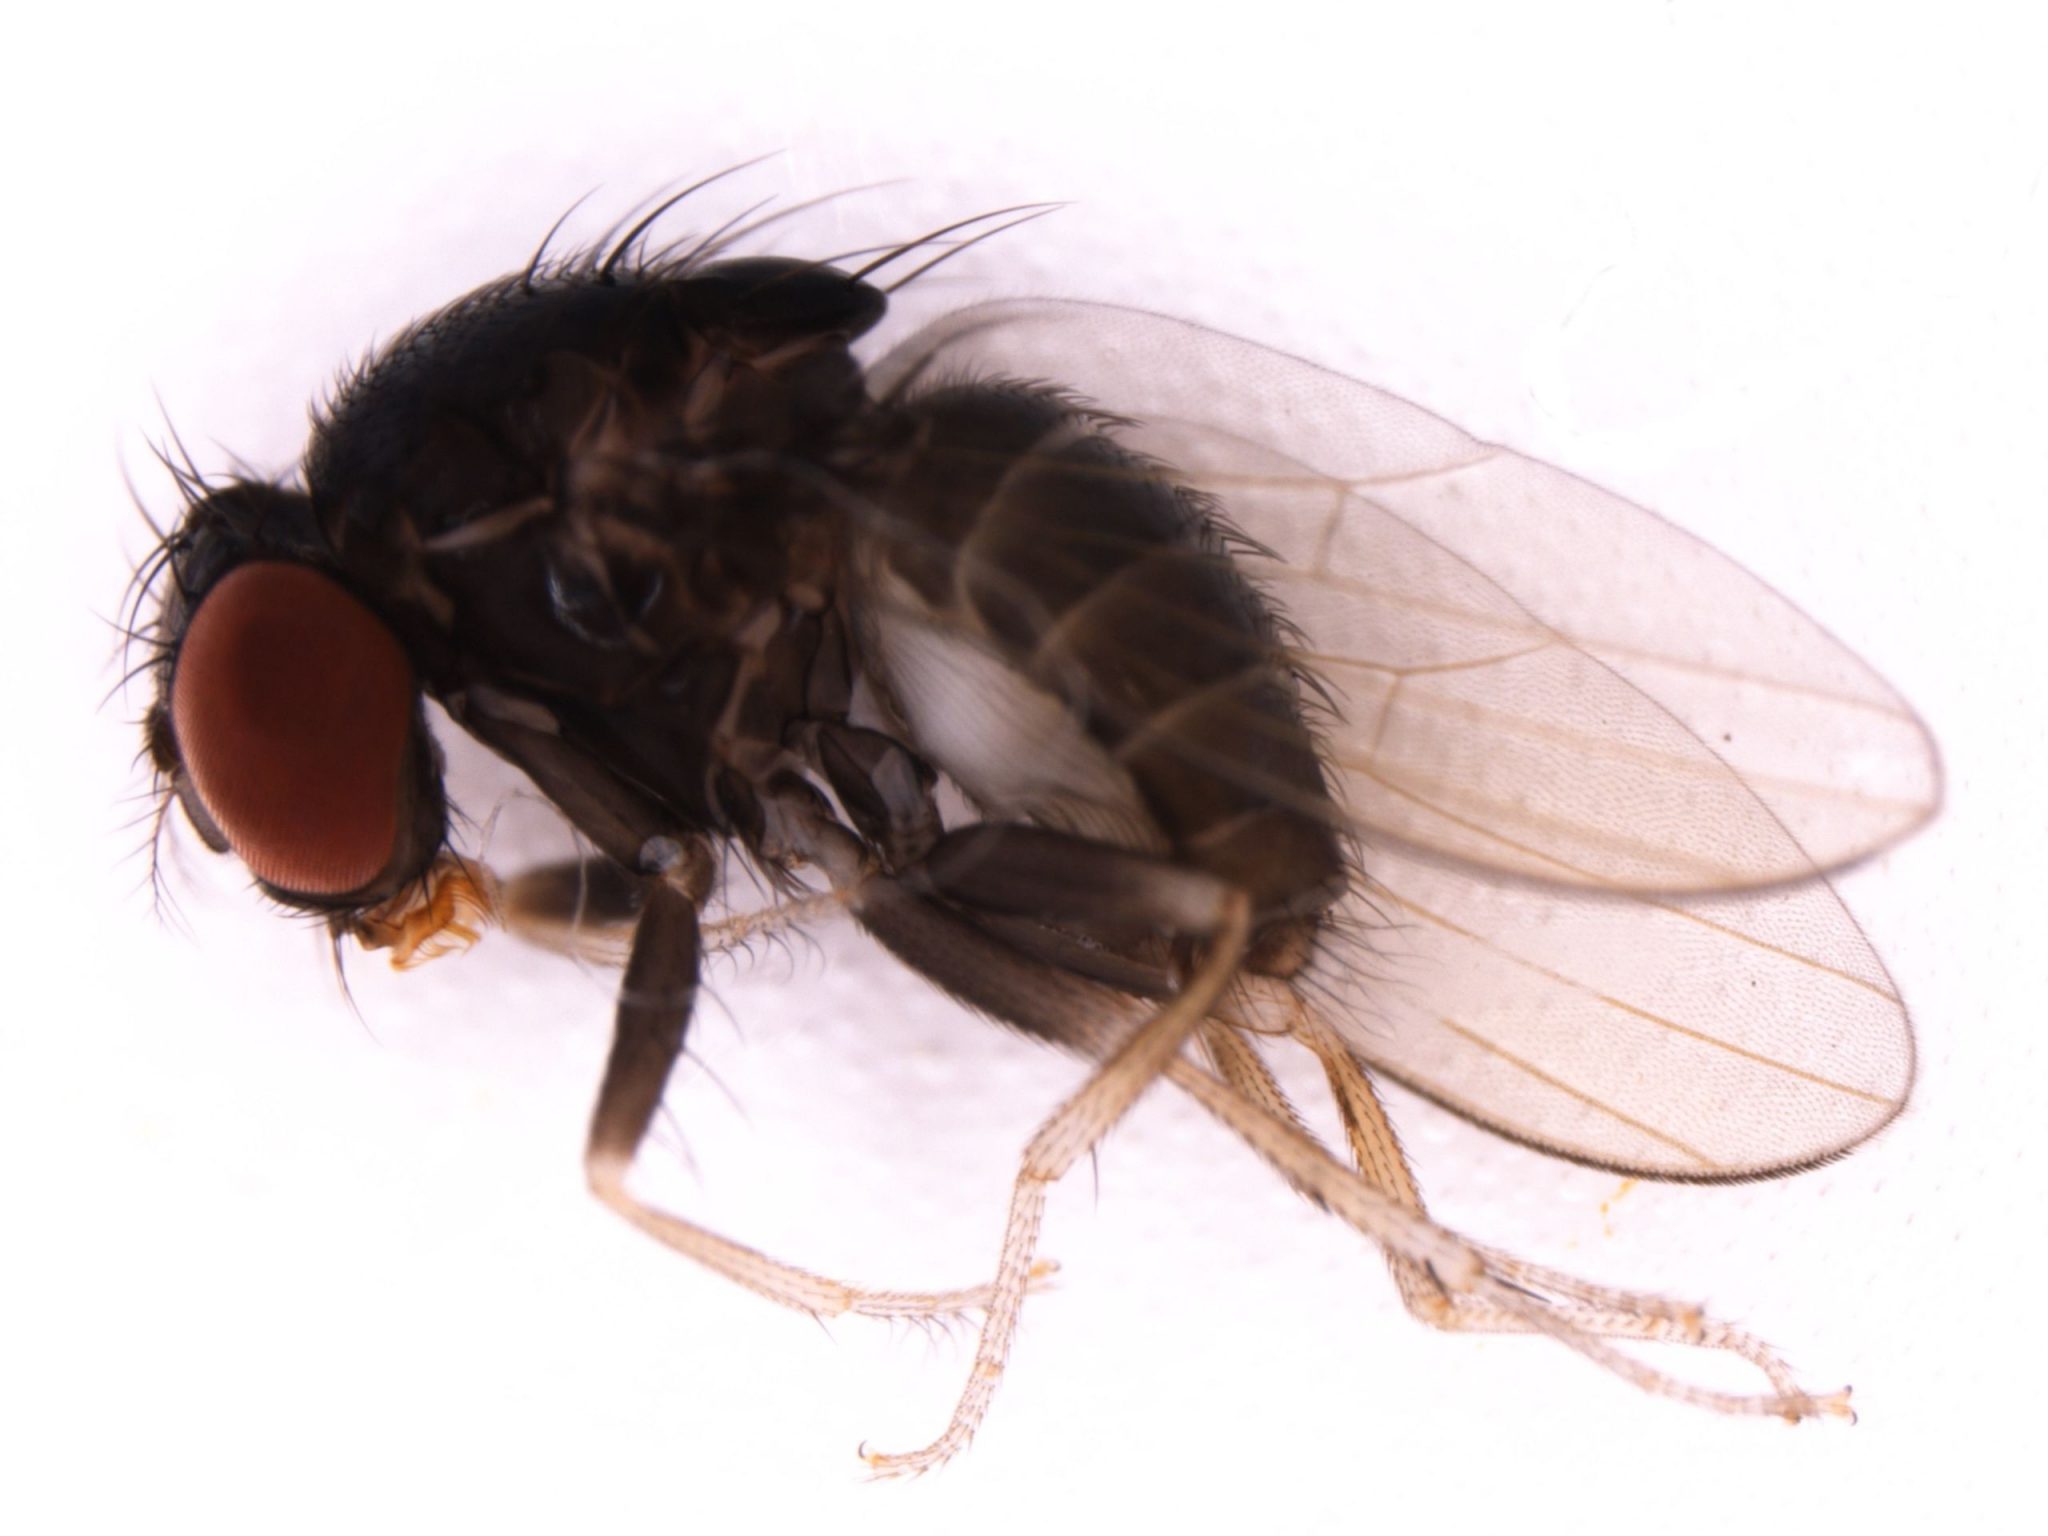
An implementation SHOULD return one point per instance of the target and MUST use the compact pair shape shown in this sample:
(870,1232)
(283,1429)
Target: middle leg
(1053,878)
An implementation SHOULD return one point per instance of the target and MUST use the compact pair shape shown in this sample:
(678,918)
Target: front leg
(653,1017)
(663,876)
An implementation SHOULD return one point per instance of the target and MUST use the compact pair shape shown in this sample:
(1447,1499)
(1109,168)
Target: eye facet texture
(293,706)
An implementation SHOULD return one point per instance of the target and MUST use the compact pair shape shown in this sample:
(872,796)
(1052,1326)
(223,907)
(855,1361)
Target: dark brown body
(653,530)
(644,530)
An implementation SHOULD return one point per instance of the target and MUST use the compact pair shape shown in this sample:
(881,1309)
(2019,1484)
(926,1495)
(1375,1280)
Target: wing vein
(1619,1005)
(1530,1069)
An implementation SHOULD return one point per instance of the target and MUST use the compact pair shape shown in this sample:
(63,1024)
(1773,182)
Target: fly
(1283,708)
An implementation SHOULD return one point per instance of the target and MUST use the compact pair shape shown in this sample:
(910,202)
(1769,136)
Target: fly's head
(288,725)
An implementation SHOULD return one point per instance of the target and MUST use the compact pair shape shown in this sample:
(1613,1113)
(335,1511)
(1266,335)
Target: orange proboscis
(444,914)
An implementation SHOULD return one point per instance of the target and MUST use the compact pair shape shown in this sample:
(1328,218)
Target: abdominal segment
(1066,632)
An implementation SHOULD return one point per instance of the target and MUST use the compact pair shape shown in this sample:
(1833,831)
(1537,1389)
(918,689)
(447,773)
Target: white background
(270,1265)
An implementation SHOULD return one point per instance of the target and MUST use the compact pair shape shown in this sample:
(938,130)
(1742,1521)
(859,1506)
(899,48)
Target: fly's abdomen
(1068,634)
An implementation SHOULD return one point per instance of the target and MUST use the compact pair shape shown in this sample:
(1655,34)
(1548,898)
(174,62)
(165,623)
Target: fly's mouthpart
(445,912)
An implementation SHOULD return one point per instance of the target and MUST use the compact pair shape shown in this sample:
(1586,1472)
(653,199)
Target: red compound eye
(292,706)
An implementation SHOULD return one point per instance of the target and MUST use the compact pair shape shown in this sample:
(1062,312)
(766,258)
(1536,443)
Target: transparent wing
(1699,1038)
(1595,766)
(1490,620)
